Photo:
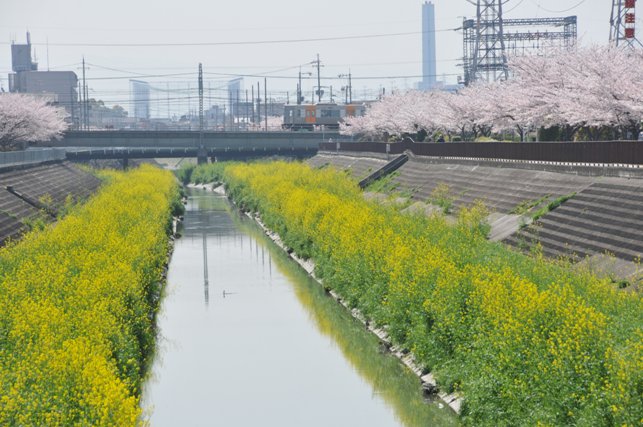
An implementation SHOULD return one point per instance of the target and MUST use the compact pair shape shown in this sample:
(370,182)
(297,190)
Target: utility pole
(246,110)
(73,107)
(202,154)
(200,105)
(258,103)
(81,113)
(350,87)
(265,97)
(299,97)
(319,91)
(236,109)
(189,105)
(84,106)
(300,92)
(253,104)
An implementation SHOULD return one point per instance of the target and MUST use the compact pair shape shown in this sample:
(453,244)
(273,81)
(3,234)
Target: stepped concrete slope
(25,191)
(358,165)
(502,190)
(604,218)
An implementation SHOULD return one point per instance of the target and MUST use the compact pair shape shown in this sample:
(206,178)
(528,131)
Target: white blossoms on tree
(598,90)
(25,118)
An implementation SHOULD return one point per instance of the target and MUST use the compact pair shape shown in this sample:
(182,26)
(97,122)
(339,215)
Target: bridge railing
(231,140)
(594,152)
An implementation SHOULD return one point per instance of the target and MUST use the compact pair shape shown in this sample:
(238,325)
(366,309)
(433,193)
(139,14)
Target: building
(21,57)
(140,98)
(429,71)
(61,87)
(235,96)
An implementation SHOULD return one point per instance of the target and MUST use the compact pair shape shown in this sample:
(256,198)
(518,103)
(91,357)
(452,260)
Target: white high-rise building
(140,98)
(428,46)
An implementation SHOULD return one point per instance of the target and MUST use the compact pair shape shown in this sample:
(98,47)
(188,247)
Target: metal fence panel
(16,158)
(595,152)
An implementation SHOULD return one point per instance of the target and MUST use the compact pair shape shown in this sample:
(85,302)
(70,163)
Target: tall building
(235,96)
(140,98)
(428,46)
(60,87)
(21,57)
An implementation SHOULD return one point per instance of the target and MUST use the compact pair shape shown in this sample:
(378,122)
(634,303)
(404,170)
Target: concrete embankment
(39,192)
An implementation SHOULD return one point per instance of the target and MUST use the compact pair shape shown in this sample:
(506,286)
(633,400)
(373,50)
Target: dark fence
(596,152)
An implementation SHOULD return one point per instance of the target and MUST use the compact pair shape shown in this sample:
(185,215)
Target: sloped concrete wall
(39,192)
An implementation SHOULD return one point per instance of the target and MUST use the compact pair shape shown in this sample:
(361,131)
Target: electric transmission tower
(490,38)
(623,23)
(485,43)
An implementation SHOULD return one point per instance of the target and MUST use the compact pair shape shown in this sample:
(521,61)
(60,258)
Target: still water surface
(248,339)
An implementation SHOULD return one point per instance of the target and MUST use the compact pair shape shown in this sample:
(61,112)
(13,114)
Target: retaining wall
(39,192)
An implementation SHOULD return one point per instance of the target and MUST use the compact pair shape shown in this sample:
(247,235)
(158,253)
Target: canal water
(246,338)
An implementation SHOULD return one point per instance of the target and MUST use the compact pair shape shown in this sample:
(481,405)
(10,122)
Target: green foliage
(208,173)
(551,206)
(526,205)
(441,196)
(385,184)
(184,173)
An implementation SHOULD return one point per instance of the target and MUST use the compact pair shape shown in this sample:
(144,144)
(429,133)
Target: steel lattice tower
(485,43)
(490,39)
(622,24)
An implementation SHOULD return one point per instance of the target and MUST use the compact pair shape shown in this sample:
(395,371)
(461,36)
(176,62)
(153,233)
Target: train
(307,116)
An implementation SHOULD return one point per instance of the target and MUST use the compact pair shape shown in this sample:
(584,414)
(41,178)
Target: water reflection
(206,285)
(389,380)
(271,348)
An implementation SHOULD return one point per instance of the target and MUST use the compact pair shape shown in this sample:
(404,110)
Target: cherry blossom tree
(590,90)
(25,119)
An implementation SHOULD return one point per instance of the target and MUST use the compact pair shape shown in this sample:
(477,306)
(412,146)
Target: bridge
(84,145)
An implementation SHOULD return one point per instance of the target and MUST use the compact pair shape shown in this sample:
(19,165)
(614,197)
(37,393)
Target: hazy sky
(396,59)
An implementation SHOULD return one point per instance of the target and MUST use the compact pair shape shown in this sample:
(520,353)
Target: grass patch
(526,205)
(551,206)
(385,185)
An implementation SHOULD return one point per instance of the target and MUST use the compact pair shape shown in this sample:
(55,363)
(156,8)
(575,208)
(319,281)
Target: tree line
(590,93)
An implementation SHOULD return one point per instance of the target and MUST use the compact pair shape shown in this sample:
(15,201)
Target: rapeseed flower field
(77,304)
(525,340)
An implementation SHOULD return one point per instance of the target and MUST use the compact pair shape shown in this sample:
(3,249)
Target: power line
(558,11)
(239,43)
(141,76)
(217,29)
(515,7)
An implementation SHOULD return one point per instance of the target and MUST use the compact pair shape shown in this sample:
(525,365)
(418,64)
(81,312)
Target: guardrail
(595,153)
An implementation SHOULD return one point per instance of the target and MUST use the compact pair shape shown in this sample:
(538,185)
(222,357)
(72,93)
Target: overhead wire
(538,5)
(240,43)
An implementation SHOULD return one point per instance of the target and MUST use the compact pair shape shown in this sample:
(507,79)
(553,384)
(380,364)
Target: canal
(246,338)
